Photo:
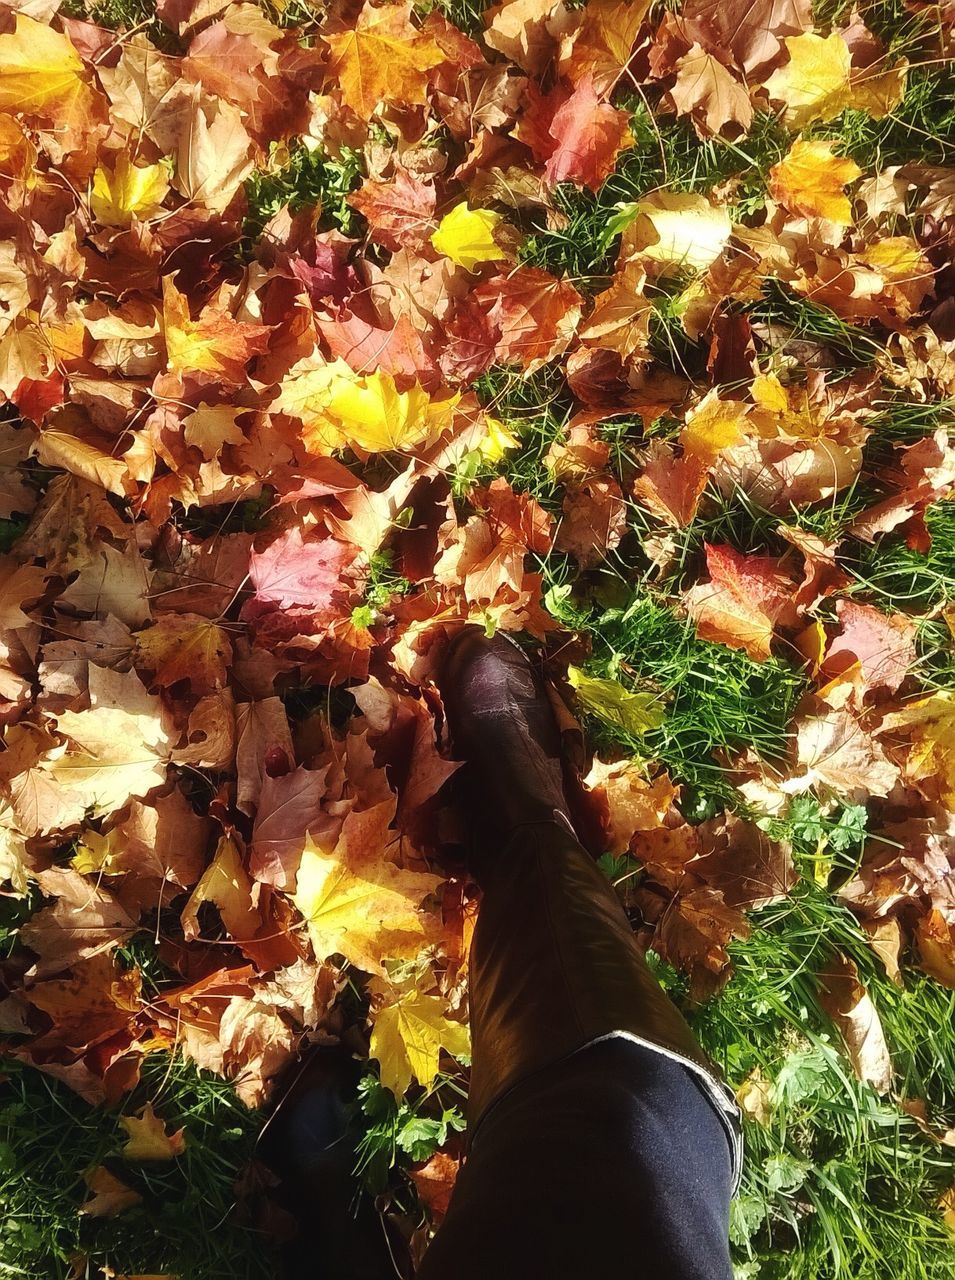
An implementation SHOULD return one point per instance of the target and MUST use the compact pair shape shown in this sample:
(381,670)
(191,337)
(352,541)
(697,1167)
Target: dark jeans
(591,1153)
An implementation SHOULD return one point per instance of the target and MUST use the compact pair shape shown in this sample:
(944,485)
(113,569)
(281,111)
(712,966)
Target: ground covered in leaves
(324,331)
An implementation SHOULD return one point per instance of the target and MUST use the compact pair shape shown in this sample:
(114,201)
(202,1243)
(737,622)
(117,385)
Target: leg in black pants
(594,1152)
(601,1138)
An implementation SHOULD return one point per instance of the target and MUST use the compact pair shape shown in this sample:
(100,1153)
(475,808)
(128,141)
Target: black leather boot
(309,1142)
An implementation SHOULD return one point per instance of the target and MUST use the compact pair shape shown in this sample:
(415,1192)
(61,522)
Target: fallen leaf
(742,604)
(110,1197)
(635,713)
(810,180)
(849,1005)
(147,1139)
(358,904)
(383,59)
(466,236)
(408,1031)
(707,92)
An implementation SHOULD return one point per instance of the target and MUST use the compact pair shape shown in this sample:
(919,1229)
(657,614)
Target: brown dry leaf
(434,1181)
(710,94)
(837,755)
(848,1004)
(109,1197)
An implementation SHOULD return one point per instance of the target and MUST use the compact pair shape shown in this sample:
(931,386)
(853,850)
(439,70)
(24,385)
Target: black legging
(600,1142)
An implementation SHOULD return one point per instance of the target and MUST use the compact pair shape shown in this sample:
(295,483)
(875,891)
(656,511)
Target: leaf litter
(253,488)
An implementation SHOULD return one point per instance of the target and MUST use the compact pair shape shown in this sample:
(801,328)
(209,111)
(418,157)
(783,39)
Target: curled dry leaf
(849,1005)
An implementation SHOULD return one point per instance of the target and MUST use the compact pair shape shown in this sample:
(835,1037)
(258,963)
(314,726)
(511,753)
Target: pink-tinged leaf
(400,214)
(291,572)
(397,350)
(590,134)
(883,644)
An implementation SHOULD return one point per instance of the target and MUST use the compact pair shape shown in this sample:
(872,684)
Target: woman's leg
(599,1134)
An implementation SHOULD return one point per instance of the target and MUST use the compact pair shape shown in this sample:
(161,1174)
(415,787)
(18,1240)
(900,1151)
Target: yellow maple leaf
(216,344)
(608,700)
(211,426)
(929,724)
(39,69)
(814,83)
(410,1030)
(498,440)
(366,910)
(340,408)
(127,191)
(226,883)
(148,1139)
(810,180)
(382,60)
(466,236)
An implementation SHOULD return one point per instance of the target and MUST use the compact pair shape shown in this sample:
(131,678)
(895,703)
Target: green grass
(839,1182)
(186,1225)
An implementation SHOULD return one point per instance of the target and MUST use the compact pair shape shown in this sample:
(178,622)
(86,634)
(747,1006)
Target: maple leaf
(214,153)
(358,904)
(594,520)
(588,134)
(409,1029)
(185,646)
(814,84)
(836,753)
(115,750)
(434,1182)
(676,230)
(707,92)
(929,725)
(809,180)
(384,59)
(340,407)
(400,214)
(633,804)
(743,602)
(882,644)
(535,313)
(525,31)
(212,426)
(40,70)
(147,1138)
(466,236)
(600,46)
(751,30)
(635,713)
(214,346)
(109,1197)
(19,585)
(127,191)
(292,572)
(817,82)
(850,1006)
(672,487)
